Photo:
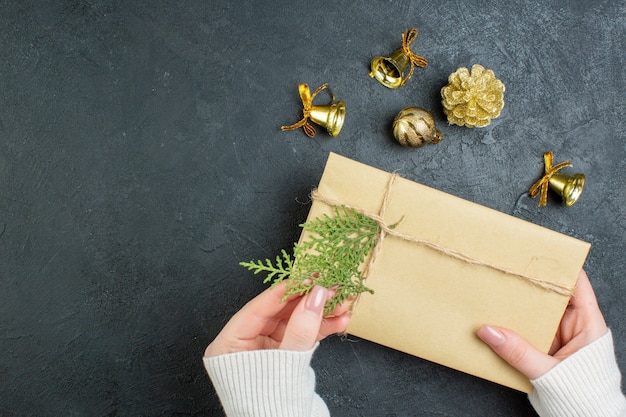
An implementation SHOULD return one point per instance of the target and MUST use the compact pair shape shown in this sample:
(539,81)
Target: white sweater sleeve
(266,383)
(586,384)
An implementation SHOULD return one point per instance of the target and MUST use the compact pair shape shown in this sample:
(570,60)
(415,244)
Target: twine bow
(407,37)
(542,184)
(307,102)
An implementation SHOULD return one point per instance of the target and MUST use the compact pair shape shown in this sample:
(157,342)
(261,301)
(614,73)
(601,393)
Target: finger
(585,300)
(262,312)
(582,323)
(334,325)
(304,325)
(583,293)
(276,328)
(517,352)
(341,308)
(337,321)
(585,303)
(329,326)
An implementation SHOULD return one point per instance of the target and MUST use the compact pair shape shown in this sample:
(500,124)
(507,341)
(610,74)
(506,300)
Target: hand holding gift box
(448,266)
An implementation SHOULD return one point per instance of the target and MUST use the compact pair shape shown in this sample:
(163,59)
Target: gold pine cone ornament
(473,98)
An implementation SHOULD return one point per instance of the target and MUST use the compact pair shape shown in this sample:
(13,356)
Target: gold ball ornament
(414,127)
(473,98)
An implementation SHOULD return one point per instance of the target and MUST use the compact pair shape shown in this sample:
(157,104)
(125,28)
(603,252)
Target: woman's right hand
(581,325)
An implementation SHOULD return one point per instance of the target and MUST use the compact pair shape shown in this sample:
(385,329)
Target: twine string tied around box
(389,230)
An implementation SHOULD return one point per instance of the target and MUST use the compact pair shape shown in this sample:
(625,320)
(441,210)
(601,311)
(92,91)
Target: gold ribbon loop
(307,102)
(542,184)
(407,37)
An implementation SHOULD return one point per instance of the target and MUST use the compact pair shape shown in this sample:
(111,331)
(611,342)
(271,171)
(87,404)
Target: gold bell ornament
(414,127)
(330,116)
(569,187)
(389,70)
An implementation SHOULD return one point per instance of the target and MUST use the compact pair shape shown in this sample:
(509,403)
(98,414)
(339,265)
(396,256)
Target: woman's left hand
(266,322)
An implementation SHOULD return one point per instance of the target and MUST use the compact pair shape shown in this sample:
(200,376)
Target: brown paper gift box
(429,303)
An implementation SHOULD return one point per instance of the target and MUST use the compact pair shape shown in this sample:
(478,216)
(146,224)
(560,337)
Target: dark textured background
(141,160)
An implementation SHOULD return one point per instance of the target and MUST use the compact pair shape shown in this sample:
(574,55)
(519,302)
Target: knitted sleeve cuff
(586,384)
(273,383)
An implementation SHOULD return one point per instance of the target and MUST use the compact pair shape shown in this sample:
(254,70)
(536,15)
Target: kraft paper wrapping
(430,304)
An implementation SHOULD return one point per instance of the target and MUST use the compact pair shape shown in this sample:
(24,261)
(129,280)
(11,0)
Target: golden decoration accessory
(569,187)
(389,70)
(414,126)
(331,116)
(473,98)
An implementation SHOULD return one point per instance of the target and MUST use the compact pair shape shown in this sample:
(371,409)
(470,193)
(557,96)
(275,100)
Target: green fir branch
(279,271)
(330,257)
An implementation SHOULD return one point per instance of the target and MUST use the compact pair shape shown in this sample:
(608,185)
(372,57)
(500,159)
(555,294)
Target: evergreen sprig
(330,257)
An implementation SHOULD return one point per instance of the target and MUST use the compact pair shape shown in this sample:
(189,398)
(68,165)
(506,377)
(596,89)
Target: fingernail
(491,336)
(316,299)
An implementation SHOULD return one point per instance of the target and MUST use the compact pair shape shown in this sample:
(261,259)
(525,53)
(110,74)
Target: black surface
(141,160)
